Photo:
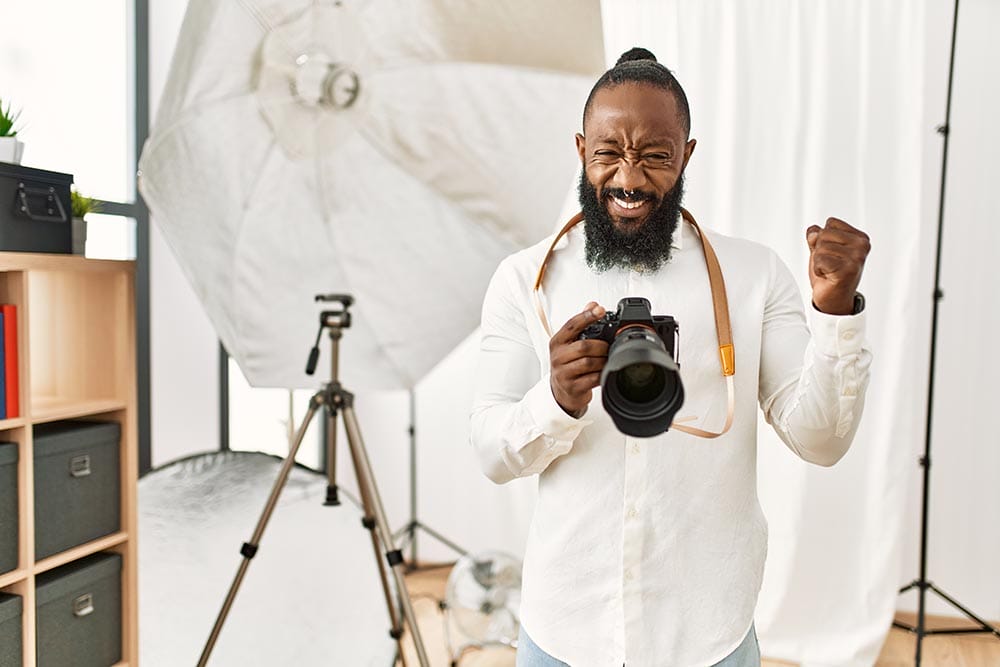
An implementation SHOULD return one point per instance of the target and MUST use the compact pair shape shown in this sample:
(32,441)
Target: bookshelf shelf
(47,409)
(75,328)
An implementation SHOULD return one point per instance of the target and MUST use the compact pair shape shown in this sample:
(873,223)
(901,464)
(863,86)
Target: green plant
(8,118)
(82,205)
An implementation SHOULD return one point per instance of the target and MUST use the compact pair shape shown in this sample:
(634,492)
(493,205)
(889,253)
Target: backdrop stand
(407,535)
(921,583)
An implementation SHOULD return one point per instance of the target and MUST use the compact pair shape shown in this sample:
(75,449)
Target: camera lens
(641,383)
(641,387)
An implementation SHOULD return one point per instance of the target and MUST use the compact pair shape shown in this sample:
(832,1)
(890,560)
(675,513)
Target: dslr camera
(640,385)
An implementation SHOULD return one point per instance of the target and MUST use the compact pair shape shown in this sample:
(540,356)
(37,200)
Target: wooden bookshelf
(76,360)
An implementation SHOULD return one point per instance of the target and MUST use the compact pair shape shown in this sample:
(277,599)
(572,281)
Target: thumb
(812,234)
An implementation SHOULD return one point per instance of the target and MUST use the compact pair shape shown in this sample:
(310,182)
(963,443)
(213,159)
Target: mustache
(632,196)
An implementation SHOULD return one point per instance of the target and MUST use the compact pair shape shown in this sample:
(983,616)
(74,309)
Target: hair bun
(636,53)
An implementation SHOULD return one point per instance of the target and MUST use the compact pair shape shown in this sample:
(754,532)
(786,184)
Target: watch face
(859,302)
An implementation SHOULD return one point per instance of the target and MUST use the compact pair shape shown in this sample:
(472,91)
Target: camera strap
(720,304)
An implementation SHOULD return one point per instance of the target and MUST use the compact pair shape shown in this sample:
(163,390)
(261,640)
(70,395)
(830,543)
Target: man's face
(633,142)
(634,152)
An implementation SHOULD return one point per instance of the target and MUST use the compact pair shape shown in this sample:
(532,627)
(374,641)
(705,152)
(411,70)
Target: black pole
(920,629)
(925,461)
(142,341)
(224,444)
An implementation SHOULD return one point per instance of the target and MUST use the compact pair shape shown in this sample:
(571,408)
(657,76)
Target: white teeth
(628,205)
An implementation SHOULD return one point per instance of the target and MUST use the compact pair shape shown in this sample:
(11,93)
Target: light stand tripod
(336,399)
(920,629)
(408,532)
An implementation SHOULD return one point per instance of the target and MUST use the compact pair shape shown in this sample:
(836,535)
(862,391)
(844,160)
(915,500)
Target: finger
(852,251)
(587,348)
(836,268)
(574,325)
(561,355)
(582,366)
(837,223)
(812,235)
(587,382)
(840,225)
(840,237)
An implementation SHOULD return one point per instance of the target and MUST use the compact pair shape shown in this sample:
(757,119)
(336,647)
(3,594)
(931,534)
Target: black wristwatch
(859,303)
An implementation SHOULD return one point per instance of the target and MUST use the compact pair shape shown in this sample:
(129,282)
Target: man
(650,551)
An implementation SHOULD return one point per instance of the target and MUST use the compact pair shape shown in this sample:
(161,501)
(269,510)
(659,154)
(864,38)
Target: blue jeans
(746,654)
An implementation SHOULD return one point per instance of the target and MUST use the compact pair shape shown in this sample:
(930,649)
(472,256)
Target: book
(10,360)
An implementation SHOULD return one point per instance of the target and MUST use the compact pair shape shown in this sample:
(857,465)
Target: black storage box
(77,484)
(78,613)
(8,507)
(35,212)
(11,648)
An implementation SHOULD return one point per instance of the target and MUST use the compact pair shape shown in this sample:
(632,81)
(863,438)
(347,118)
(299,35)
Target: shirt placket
(632,530)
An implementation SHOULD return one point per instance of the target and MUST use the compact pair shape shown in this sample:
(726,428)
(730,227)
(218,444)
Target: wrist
(852,306)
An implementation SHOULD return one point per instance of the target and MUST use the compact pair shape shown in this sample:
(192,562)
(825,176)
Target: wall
(184,385)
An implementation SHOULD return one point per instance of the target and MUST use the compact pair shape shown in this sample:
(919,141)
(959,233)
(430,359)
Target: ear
(581,145)
(688,150)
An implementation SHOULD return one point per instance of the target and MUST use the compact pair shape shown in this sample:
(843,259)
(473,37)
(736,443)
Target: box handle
(44,198)
(79,466)
(83,605)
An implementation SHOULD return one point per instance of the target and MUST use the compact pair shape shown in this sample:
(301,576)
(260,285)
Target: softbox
(392,150)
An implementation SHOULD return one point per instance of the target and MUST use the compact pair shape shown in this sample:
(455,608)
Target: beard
(644,249)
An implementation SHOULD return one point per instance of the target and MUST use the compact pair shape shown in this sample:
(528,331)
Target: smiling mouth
(631,209)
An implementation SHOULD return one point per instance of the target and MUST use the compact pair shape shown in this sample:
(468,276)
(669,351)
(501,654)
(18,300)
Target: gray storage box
(78,613)
(77,484)
(8,507)
(35,209)
(11,648)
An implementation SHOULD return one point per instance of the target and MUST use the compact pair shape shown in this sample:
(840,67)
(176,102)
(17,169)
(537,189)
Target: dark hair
(637,65)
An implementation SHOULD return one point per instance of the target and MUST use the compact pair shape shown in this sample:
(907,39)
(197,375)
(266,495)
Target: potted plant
(81,206)
(11,147)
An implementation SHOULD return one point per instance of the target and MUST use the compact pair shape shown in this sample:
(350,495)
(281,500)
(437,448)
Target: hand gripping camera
(640,384)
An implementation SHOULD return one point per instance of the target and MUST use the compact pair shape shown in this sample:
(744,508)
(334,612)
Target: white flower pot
(11,150)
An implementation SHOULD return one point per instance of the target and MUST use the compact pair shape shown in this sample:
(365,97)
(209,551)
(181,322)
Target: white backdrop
(802,110)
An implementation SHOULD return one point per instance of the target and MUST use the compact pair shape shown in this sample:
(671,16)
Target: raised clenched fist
(837,254)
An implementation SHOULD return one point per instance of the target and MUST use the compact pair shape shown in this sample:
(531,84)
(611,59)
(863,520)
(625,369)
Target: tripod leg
(368,521)
(366,479)
(332,497)
(249,549)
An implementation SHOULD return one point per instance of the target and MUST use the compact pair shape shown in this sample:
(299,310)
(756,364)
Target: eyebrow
(664,142)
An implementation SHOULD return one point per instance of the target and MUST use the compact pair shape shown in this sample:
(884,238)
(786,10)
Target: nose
(629,177)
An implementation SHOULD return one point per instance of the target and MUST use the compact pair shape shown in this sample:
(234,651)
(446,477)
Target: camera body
(635,312)
(641,386)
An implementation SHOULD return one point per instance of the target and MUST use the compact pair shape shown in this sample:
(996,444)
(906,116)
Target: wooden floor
(427,589)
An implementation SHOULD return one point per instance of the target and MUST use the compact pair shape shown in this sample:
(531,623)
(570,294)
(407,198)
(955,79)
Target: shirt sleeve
(813,378)
(517,428)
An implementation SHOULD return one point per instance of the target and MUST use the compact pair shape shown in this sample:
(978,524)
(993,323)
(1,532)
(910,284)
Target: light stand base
(982,626)
(407,536)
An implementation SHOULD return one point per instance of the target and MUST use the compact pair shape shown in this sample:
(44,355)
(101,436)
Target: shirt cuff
(549,418)
(837,335)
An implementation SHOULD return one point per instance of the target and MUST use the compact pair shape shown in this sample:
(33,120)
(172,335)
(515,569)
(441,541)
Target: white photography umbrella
(394,150)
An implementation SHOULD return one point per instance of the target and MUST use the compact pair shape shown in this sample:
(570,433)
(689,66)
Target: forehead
(634,108)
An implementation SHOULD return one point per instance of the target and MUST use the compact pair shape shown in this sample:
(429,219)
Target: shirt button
(633,513)
(848,335)
(850,390)
(635,447)
(628,575)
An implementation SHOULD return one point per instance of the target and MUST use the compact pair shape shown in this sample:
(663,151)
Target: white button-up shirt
(650,551)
